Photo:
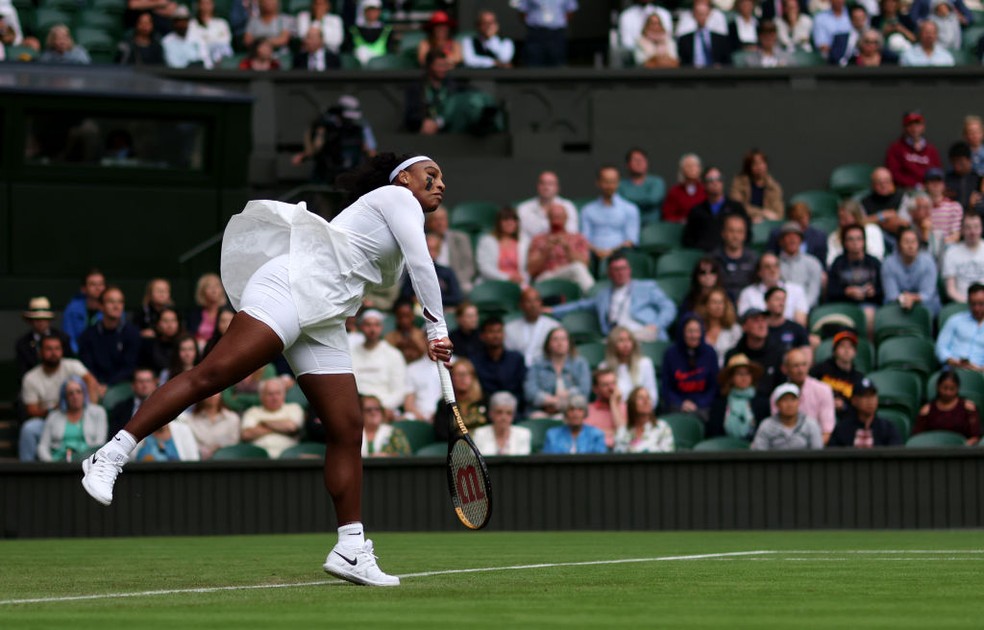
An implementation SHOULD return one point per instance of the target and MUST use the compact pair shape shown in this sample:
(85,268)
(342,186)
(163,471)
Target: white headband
(407,163)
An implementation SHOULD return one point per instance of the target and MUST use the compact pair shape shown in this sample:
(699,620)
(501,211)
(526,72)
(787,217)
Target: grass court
(925,580)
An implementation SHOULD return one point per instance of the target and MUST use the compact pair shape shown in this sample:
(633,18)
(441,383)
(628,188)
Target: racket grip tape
(447,389)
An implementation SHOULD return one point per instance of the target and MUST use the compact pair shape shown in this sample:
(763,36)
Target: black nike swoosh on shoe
(350,561)
(117,438)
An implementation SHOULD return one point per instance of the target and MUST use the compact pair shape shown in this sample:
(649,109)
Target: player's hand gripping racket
(468,476)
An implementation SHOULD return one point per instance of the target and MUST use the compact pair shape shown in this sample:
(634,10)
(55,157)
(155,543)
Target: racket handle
(446,387)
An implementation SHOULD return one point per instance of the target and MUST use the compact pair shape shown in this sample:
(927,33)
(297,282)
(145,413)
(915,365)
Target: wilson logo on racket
(469,487)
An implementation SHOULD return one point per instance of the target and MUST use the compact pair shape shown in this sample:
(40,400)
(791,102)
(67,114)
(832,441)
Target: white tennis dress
(303,276)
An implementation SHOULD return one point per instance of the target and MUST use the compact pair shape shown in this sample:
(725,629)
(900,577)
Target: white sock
(352,535)
(122,443)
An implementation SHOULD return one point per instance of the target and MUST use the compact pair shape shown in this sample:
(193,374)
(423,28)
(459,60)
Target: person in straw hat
(28,347)
(733,413)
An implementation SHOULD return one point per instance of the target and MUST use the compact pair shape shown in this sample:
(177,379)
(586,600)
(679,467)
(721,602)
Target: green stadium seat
(110,24)
(688,430)
(850,313)
(675,288)
(296,6)
(971,35)
(658,238)
(936,439)
(101,46)
(582,326)
(655,350)
(495,296)
(762,231)
(722,443)
(45,18)
(68,6)
(864,361)
(908,353)
(116,394)
(118,7)
(474,216)
(742,59)
(892,321)
(580,202)
(948,311)
(410,40)
(468,112)
(232,61)
(240,451)
(901,420)
(808,59)
(304,450)
(538,428)
(437,449)
(964,57)
(391,62)
(847,179)
(593,352)
(418,432)
(21,53)
(823,203)
(898,390)
(349,61)
(827,225)
(558,290)
(641,263)
(678,262)
(598,287)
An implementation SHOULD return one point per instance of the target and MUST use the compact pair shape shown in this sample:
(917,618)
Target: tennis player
(294,278)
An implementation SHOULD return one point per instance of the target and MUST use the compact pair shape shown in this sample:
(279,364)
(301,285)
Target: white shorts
(267,298)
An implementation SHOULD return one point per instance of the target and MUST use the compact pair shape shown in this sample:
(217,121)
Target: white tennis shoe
(100,472)
(358,566)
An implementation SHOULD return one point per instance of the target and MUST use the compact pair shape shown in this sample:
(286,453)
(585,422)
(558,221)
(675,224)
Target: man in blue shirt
(909,275)
(829,23)
(609,222)
(961,342)
(546,30)
(575,437)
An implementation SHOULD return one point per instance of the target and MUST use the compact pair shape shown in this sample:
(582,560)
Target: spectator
(641,187)
(486,48)
(633,19)
(274,425)
(423,390)
(705,277)
(870,51)
(215,31)
(638,305)
(406,336)
(110,348)
(466,336)
(949,411)
(743,31)
(156,352)
(655,47)
(973,134)
(687,192)
(11,31)
(899,30)
(838,371)
(702,47)
(575,437)
(143,47)
(690,369)
(60,48)
(855,276)
(84,309)
(794,27)
(927,51)
(160,10)
(816,397)
(756,345)
(920,10)
(814,241)
(528,334)
(316,57)
(271,25)
(379,368)
(706,220)
(213,426)
(500,437)
(945,214)
(732,413)
(845,45)
(379,437)
(643,432)
(738,263)
(456,248)
(498,369)
(789,428)
(174,442)
(41,391)
(757,189)
(909,157)
(722,329)
(864,428)
(947,24)
(963,263)
(331,27)
(533,212)
(451,293)
(184,48)
(960,343)
(767,52)
(185,357)
(554,378)
(909,275)
(501,254)
(144,384)
(560,254)
(798,267)
(210,298)
(882,204)
(468,393)
(849,213)
(828,24)
(607,412)
(27,349)
(609,222)
(157,298)
(426,102)
(370,37)
(783,332)
(260,58)
(440,37)
(546,30)
(919,211)
(717,21)
(222,321)
(623,355)
(767,272)
(963,184)
(76,426)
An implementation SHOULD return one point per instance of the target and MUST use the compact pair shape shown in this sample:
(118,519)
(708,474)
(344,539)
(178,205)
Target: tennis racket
(468,476)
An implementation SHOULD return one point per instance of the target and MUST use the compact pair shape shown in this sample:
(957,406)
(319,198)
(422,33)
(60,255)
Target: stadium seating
(593,352)
(474,216)
(688,430)
(640,262)
(349,61)
(418,432)
(655,350)
(898,390)
(391,62)
(892,320)
(936,439)
(658,238)
(851,312)
(495,296)
(761,232)
(908,353)
(436,449)
(949,311)
(305,450)
(675,287)
(582,326)
(240,451)
(677,262)
(538,428)
(823,203)
(558,290)
(45,18)
(100,44)
(901,420)
(864,361)
(847,179)
(722,443)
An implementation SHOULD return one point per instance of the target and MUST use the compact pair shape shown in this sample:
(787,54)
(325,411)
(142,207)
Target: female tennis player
(294,278)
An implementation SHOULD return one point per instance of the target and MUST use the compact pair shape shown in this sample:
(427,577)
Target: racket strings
(469,483)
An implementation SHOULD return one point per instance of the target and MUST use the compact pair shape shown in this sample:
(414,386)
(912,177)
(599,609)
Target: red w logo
(469,488)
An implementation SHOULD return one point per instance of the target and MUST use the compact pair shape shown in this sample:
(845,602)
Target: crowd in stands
(322,35)
(646,319)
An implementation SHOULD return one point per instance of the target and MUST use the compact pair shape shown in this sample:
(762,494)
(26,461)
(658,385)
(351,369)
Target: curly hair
(371,175)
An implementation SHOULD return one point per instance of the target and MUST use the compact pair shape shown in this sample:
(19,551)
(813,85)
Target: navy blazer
(720,49)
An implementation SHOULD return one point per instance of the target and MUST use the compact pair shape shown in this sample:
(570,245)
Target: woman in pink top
(501,255)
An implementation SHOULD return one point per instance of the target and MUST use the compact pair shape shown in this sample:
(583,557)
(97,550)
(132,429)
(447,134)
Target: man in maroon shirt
(560,254)
(910,156)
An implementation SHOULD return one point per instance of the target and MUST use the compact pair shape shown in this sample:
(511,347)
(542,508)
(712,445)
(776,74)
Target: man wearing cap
(575,437)
(797,266)
(961,342)
(909,275)
(963,263)
(184,48)
(789,428)
(784,332)
(816,398)
(927,51)
(838,371)
(379,368)
(756,345)
(909,157)
(864,428)
(28,348)
(706,220)
(486,48)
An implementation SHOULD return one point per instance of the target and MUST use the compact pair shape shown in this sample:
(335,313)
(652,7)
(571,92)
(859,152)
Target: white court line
(217,589)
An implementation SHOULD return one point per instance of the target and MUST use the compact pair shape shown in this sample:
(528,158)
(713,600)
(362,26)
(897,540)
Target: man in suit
(575,437)
(456,249)
(706,219)
(144,384)
(639,305)
(703,48)
(313,55)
